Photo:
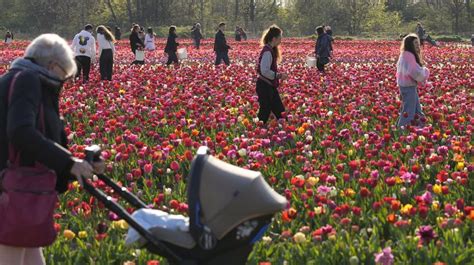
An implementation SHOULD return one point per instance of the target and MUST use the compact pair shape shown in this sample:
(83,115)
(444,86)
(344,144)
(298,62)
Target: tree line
(296,17)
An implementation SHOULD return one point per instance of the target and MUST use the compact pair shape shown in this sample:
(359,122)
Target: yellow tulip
(350,192)
(398,180)
(121,224)
(75,184)
(69,234)
(312,181)
(406,209)
(437,189)
(82,234)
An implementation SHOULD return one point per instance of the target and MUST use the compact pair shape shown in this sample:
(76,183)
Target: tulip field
(360,190)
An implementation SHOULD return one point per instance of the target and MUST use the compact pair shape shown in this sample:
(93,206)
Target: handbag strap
(13,155)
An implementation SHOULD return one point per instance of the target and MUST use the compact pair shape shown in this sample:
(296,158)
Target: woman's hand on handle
(81,169)
(99,167)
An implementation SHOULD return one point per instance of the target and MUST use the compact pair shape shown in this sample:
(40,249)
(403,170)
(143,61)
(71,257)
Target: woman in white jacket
(106,41)
(150,40)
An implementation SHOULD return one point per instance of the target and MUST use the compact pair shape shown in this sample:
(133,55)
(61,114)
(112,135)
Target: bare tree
(111,8)
(455,7)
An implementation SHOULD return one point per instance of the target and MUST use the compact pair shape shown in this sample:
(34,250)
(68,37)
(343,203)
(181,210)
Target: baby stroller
(230,209)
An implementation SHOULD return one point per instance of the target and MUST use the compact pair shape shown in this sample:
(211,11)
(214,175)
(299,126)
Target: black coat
(220,43)
(323,46)
(238,35)
(135,41)
(118,34)
(171,44)
(196,34)
(19,123)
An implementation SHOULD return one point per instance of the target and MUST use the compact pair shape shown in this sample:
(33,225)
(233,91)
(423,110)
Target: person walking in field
(411,72)
(84,49)
(268,76)
(220,46)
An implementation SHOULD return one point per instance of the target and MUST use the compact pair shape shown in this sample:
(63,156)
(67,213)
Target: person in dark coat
(118,33)
(172,46)
(238,34)
(220,46)
(243,34)
(196,35)
(323,48)
(135,40)
(141,34)
(420,31)
(328,30)
(8,37)
(29,92)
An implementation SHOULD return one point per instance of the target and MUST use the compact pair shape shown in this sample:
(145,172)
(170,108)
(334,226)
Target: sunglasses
(66,76)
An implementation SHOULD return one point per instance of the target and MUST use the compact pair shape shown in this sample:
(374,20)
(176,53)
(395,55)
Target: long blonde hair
(106,32)
(272,32)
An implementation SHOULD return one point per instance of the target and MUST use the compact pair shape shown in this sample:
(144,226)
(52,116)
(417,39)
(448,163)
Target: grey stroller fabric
(230,195)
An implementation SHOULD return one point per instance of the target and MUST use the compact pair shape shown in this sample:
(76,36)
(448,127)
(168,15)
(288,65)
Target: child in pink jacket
(410,73)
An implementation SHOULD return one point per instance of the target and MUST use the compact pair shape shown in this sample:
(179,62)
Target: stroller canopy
(222,196)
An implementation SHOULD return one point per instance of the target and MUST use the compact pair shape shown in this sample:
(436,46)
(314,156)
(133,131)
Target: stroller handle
(93,155)
(124,193)
(122,213)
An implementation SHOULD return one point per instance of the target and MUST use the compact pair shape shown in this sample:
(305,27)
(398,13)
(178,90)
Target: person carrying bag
(35,165)
(23,189)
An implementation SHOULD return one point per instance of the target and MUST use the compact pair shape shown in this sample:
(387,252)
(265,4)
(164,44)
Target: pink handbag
(27,199)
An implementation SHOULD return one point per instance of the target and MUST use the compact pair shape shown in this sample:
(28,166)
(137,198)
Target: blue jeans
(220,55)
(411,113)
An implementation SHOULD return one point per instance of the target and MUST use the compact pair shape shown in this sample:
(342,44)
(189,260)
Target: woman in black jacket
(172,46)
(220,46)
(35,82)
(135,40)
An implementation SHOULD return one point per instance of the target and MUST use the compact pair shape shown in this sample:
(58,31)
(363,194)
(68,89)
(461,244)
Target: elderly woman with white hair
(35,164)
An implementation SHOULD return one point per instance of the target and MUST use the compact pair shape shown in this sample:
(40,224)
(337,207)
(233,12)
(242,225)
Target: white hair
(48,48)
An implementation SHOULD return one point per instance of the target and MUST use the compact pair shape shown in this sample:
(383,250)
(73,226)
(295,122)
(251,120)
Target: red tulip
(174,166)
(148,168)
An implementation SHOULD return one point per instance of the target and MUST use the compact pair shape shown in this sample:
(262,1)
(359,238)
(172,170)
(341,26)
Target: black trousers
(320,65)
(269,101)
(84,67)
(172,58)
(197,43)
(221,55)
(106,64)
